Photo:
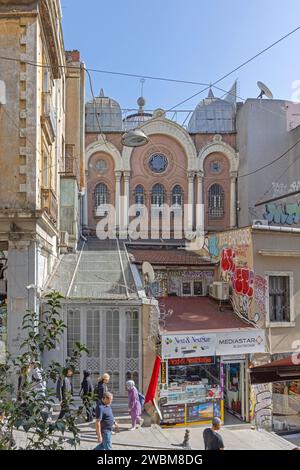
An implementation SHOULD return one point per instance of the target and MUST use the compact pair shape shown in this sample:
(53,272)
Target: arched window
(177,196)
(139,195)
(100,195)
(158,195)
(216,200)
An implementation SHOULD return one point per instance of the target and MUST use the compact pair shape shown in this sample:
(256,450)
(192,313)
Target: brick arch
(217,146)
(163,126)
(223,180)
(104,147)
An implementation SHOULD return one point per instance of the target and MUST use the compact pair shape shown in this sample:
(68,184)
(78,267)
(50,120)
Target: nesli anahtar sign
(241,342)
(196,345)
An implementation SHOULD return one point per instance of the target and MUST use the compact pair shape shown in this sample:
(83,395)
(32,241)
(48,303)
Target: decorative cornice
(51,34)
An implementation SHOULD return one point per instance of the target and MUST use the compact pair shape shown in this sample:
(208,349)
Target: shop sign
(233,358)
(174,346)
(185,361)
(241,342)
(163,373)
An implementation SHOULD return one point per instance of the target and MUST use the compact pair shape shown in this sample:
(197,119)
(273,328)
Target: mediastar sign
(241,342)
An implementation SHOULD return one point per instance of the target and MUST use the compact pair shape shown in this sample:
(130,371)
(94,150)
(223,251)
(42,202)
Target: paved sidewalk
(157,438)
(235,438)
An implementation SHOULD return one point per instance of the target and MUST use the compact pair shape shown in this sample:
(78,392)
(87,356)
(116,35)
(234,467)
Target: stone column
(117,196)
(189,217)
(85,217)
(199,208)
(126,175)
(233,176)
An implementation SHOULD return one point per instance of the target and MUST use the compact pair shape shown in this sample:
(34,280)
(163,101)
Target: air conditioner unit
(219,290)
(64,239)
(260,222)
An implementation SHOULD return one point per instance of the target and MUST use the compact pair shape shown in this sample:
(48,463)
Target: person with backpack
(86,393)
(134,404)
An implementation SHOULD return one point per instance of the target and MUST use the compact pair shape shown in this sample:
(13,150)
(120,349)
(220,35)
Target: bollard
(186,441)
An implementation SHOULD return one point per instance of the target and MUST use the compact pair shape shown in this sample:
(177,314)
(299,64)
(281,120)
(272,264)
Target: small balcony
(48,117)
(49,204)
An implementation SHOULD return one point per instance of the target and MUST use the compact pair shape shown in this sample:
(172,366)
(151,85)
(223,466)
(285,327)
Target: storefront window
(186,288)
(195,373)
(286,406)
(197,288)
(191,390)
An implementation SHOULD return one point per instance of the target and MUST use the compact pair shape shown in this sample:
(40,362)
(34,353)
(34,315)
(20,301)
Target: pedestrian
(23,382)
(64,391)
(86,393)
(102,386)
(40,387)
(37,378)
(211,436)
(134,405)
(104,422)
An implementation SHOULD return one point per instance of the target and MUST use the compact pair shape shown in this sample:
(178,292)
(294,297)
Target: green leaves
(30,414)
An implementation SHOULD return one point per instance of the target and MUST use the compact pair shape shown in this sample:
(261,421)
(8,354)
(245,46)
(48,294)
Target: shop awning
(282,370)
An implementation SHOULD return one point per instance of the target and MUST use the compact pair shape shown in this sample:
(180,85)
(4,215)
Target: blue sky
(194,40)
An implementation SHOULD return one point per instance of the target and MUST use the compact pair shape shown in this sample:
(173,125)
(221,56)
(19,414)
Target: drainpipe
(82,145)
(237,202)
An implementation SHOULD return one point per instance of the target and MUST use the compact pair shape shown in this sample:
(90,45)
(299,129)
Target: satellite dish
(148,272)
(134,138)
(264,90)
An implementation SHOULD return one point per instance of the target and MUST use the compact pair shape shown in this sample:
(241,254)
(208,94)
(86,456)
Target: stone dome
(109,115)
(214,115)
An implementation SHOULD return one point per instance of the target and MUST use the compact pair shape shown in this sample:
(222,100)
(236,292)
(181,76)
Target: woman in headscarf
(134,405)
(102,386)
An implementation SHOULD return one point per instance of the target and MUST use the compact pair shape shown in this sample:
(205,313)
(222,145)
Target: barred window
(139,195)
(158,195)
(177,196)
(101,194)
(216,202)
(279,298)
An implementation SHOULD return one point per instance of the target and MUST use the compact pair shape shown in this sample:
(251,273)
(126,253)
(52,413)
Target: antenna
(264,90)
(148,272)
(142,81)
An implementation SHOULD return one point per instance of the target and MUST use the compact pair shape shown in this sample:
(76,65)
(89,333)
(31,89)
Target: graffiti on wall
(261,405)
(241,278)
(260,292)
(213,247)
(284,214)
(280,188)
(240,240)
(235,239)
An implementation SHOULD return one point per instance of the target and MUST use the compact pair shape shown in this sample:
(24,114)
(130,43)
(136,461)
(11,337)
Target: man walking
(212,439)
(64,391)
(104,422)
